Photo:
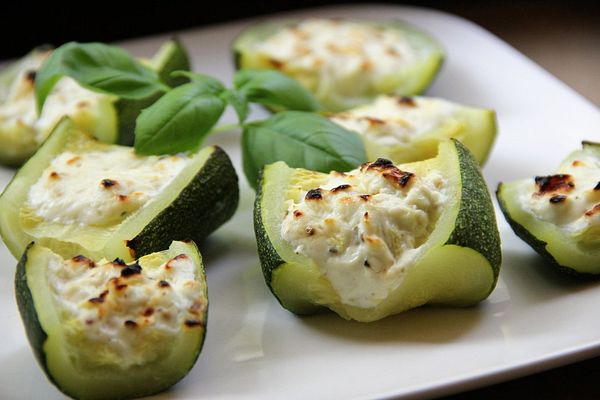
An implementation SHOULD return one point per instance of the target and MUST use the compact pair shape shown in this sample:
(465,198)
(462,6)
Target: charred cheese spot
(314,194)
(554,184)
(108,183)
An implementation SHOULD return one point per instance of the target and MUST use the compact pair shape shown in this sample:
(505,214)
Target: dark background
(25,24)
(563,36)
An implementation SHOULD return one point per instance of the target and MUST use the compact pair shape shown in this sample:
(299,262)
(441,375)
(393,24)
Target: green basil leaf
(206,82)
(98,67)
(302,140)
(275,90)
(238,101)
(178,121)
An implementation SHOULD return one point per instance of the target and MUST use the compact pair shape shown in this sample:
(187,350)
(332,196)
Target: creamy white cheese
(68,98)
(339,56)
(100,187)
(110,316)
(366,229)
(568,201)
(393,120)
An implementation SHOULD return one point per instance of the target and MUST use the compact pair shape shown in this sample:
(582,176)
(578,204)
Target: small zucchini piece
(559,215)
(110,330)
(380,239)
(406,129)
(80,196)
(344,63)
(106,117)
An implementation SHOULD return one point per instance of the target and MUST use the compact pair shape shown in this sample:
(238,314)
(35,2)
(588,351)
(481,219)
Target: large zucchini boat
(406,129)
(108,118)
(344,63)
(80,196)
(380,239)
(559,215)
(111,330)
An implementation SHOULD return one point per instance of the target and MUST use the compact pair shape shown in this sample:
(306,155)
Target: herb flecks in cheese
(100,187)
(365,228)
(339,56)
(392,120)
(569,198)
(111,317)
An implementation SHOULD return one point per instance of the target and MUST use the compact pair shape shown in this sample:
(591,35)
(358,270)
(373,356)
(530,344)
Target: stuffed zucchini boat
(111,330)
(108,118)
(406,129)
(559,215)
(77,195)
(344,63)
(380,239)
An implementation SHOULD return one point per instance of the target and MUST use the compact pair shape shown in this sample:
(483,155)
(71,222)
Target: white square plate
(534,319)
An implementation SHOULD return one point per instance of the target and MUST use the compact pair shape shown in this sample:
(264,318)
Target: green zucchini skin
(474,216)
(416,83)
(215,185)
(474,230)
(188,351)
(567,250)
(35,333)
(172,56)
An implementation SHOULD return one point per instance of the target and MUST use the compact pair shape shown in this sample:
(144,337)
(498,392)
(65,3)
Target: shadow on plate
(528,275)
(425,324)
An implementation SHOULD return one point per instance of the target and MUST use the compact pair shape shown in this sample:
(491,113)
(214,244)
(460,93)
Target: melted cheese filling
(18,111)
(392,120)
(576,209)
(100,188)
(364,236)
(339,56)
(111,317)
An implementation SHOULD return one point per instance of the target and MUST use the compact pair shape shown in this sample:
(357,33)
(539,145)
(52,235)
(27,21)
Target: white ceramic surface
(255,349)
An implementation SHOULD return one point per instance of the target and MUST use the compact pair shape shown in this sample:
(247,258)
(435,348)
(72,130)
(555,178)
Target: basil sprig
(98,67)
(274,90)
(302,140)
(180,119)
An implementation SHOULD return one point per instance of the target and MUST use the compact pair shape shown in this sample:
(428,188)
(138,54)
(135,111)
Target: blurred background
(562,36)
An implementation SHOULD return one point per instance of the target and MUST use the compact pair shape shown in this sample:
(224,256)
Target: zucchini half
(106,117)
(559,215)
(201,197)
(457,263)
(108,330)
(359,86)
(406,129)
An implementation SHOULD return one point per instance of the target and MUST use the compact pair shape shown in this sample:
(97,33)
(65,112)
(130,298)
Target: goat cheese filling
(340,56)
(365,228)
(570,198)
(100,188)
(393,120)
(114,313)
